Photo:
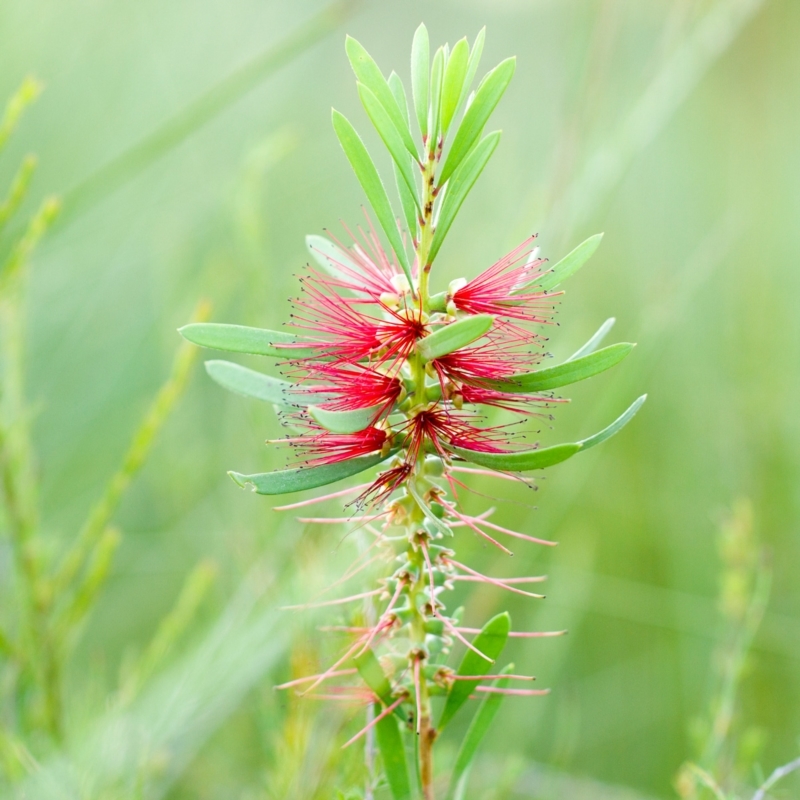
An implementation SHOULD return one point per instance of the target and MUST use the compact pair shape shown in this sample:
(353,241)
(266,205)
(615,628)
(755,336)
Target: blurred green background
(672,125)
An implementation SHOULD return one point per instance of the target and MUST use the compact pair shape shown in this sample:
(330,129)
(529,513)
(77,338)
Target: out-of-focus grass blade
(521,461)
(568,265)
(27,93)
(572,371)
(372,185)
(345,421)
(460,186)
(483,718)
(616,426)
(18,189)
(248,382)
(243,339)
(453,82)
(595,341)
(487,97)
(437,72)
(201,111)
(300,478)
(420,76)
(490,641)
(454,336)
(391,138)
(100,514)
(368,73)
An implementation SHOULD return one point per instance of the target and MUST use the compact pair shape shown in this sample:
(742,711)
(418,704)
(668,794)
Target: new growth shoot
(383,370)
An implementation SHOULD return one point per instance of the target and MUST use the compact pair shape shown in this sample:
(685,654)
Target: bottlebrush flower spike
(397,378)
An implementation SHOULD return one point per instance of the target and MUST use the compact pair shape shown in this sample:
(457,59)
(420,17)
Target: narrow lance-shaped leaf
(486,99)
(540,458)
(564,374)
(248,382)
(408,200)
(437,70)
(393,754)
(242,339)
(480,724)
(369,668)
(372,185)
(329,256)
(568,265)
(472,67)
(453,82)
(420,76)
(454,336)
(460,186)
(391,138)
(616,426)
(368,73)
(299,478)
(345,421)
(522,460)
(490,641)
(595,341)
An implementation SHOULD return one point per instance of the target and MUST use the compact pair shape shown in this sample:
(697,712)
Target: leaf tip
(242,481)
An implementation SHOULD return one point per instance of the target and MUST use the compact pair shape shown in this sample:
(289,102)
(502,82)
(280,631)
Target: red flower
(344,334)
(505,289)
(354,386)
(323,447)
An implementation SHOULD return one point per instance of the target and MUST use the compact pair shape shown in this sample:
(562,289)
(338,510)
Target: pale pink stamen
(493,581)
(385,713)
(457,633)
(334,602)
(531,579)
(521,634)
(322,498)
(516,692)
(491,677)
(468,522)
(298,681)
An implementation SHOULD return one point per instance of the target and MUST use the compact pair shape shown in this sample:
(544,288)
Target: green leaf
(369,668)
(454,336)
(566,373)
(459,188)
(248,382)
(472,68)
(420,76)
(437,69)
(522,460)
(480,724)
(568,265)
(486,99)
(491,641)
(595,341)
(399,93)
(393,755)
(300,478)
(241,339)
(391,138)
(368,73)
(616,425)
(407,201)
(330,256)
(372,185)
(540,458)
(453,82)
(345,421)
